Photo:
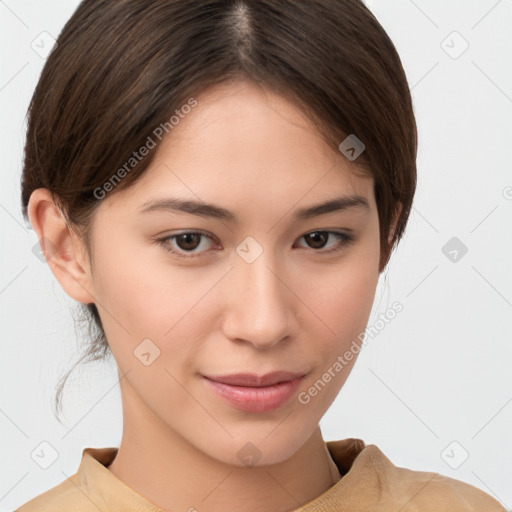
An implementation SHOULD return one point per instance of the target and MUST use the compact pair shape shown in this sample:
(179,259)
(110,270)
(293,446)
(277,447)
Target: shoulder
(426,491)
(93,487)
(64,497)
(90,489)
(371,481)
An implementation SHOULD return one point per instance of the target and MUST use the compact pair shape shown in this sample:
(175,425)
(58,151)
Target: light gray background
(438,373)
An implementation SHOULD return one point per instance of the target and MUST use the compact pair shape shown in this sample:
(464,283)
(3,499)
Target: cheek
(144,295)
(345,303)
(344,295)
(141,299)
(344,300)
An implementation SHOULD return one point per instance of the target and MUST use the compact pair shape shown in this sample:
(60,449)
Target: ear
(63,250)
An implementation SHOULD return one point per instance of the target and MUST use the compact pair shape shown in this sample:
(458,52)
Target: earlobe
(61,246)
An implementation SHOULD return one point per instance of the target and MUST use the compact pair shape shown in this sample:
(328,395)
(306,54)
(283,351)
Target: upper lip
(252,380)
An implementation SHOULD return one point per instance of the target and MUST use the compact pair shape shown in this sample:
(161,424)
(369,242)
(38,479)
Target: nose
(259,307)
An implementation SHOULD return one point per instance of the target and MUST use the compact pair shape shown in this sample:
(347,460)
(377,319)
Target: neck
(171,473)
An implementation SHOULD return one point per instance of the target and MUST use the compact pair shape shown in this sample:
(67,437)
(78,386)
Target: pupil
(191,241)
(319,239)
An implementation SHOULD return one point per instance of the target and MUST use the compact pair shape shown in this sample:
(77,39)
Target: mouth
(253,393)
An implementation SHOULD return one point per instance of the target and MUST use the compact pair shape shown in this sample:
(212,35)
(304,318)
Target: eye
(319,239)
(194,243)
(187,244)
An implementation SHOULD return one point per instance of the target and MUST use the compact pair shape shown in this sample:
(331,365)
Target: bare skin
(296,307)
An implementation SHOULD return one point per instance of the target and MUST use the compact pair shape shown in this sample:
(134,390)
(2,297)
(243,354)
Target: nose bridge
(260,308)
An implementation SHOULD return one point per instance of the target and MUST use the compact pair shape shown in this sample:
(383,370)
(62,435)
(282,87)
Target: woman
(221,183)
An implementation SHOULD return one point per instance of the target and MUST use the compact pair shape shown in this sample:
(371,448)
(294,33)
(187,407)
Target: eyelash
(343,238)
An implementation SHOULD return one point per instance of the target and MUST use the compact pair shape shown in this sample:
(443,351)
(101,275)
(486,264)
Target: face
(203,303)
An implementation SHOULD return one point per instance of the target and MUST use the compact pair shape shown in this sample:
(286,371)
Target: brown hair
(122,68)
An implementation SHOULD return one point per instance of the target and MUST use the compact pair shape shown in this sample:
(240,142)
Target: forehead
(244,147)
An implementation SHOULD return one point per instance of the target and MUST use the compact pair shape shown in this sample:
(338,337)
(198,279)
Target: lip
(253,393)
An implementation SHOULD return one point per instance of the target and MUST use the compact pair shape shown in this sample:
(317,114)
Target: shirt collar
(351,457)
(100,484)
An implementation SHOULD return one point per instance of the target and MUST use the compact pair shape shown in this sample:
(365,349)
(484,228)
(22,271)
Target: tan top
(370,482)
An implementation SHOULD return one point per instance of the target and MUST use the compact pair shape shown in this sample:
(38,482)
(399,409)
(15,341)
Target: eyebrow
(210,210)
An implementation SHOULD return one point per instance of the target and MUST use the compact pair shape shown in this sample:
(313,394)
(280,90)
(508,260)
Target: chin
(262,446)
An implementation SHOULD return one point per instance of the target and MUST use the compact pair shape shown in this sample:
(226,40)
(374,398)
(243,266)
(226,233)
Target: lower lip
(256,399)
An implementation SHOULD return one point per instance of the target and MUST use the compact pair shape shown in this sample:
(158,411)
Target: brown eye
(188,241)
(187,244)
(317,239)
(320,240)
